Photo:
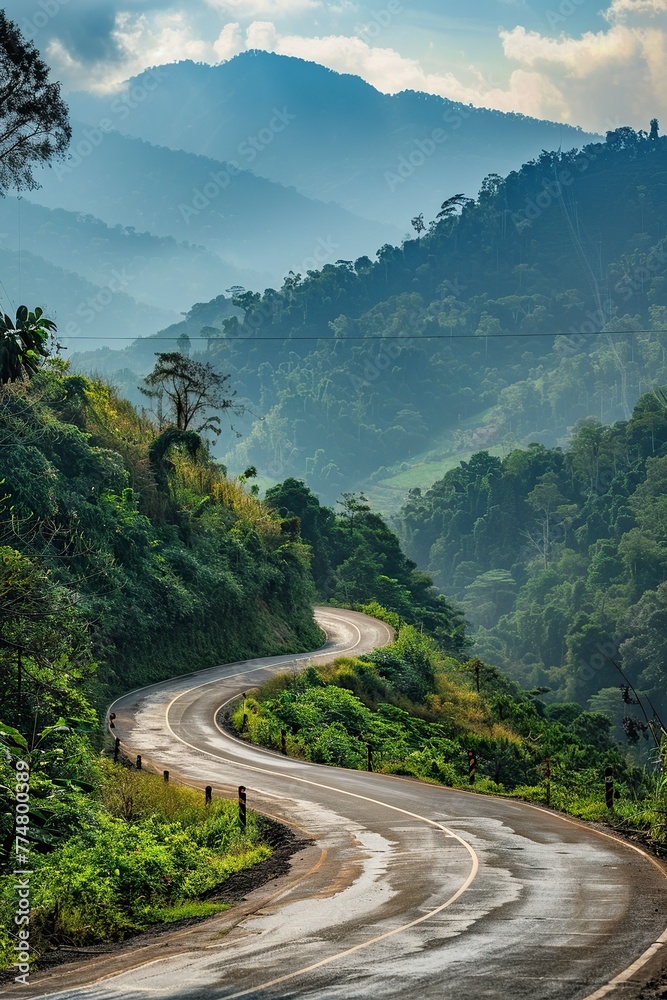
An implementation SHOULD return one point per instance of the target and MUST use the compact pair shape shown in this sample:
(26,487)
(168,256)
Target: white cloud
(264,8)
(605,78)
(229,42)
(143,40)
(620,10)
(262,35)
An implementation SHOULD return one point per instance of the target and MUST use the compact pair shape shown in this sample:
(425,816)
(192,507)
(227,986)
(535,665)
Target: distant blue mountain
(332,136)
(161,272)
(87,312)
(252,224)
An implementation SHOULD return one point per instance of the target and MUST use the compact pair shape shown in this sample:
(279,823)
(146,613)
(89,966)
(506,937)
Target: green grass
(149,853)
(187,911)
(445,451)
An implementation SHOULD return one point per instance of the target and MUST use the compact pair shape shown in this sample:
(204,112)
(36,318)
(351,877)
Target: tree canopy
(34,121)
(193,388)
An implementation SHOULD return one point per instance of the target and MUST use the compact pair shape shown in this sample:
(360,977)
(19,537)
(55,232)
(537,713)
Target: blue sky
(595,63)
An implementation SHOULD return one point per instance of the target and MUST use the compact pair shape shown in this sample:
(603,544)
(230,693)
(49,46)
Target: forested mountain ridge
(483,329)
(560,560)
(126,556)
(331,135)
(138,540)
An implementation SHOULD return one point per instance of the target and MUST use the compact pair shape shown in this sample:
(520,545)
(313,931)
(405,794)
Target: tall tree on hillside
(34,122)
(450,207)
(193,389)
(546,499)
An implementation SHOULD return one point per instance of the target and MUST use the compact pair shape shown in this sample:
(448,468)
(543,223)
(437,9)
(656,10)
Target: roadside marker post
(208,795)
(242,806)
(165,775)
(548,775)
(116,749)
(609,787)
(472,766)
(138,762)
(370,757)
(283,742)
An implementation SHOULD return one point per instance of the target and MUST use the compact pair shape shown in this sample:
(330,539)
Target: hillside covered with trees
(505,321)
(559,559)
(127,555)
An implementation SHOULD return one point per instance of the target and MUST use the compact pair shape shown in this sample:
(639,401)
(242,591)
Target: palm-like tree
(23,343)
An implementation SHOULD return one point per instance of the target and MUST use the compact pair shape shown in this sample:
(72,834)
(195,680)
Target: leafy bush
(152,852)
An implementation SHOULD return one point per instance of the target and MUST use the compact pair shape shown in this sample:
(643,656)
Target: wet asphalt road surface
(409,890)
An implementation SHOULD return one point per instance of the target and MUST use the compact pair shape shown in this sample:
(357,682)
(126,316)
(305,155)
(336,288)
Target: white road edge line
(365,798)
(604,991)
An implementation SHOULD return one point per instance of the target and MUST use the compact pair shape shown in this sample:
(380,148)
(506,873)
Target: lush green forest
(412,709)
(505,321)
(126,556)
(129,555)
(559,559)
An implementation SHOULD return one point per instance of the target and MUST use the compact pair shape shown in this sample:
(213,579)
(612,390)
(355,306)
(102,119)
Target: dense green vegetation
(126,556)
(496,326)
(417,711)
(525,275)
(107,522)
(356,558)
(560,561)
(143,853)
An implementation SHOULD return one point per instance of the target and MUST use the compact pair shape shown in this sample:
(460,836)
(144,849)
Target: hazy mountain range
(195,179)
(332,136)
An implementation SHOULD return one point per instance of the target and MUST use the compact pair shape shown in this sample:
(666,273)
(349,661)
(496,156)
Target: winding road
(406,889)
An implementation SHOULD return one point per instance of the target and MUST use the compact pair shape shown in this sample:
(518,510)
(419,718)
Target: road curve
(412,890)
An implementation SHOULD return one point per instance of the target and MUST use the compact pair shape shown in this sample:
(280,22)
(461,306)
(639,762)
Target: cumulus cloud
(620,10)
(229,42)
(140,40)
(264,8)
(604,78)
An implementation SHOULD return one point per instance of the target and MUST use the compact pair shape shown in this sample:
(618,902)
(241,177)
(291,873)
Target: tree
(193,388)
(34,122)
(450,207)
(354,505)
(546,498)
(22,343)
(418,224)
(655,129)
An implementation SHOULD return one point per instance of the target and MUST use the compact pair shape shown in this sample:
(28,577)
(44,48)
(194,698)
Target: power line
(339,340)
